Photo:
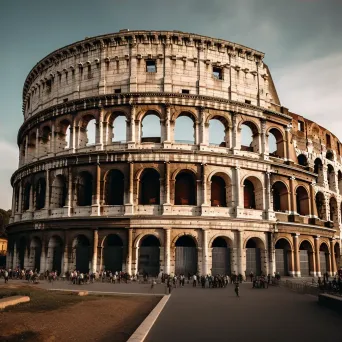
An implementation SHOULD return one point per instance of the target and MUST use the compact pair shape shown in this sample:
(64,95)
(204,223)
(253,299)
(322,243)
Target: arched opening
(283,257)
(318,168)
(249,137)
(84,189)
(151,128)
(217,132)
(22,252)
(186,255)
(91,132)
(185,129)
(324,258)
(63,140)
(118,129)
(280,197)
(302,160)
(115,188)
(302,201)
(320,205)
(221,257)
(218,192)
(339,179)
(58,192)
(276,143)
(330,155)
(40,193)
(306,258)
(149,187)
(45,138)
(55,253)
(331,177)
(185,189)
(149,256)
(82,253)
(252,193)
(113,253)
(26,199)
(254,248)
(333,217)
(35,253)
(31,147)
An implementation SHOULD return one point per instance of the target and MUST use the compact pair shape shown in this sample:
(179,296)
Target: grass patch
(42,300)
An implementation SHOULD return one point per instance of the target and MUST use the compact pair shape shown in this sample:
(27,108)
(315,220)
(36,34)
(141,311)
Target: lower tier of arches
(174,251)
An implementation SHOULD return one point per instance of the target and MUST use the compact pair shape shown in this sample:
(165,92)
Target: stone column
(167,250)
(196,128)
(264,147)
(167,141)
(131,142)
(205,252)
(129,251)
(317,257)
(95,208)
(333,269)
(52,140)
(271,254)
(36,151)
(130,205)
(313,200)
(292,272)
(296,255)
(268,202)
(240,253)
(99,131)
(15,256)
(237,198)
(288,141)
(205,203)
(167,187)
(292,196)
(20,199)
(95,244)
(47,191)
(203,127)
(65,265)
(235,133)
(69,197)
(43,257)
(32,193)
(26,149)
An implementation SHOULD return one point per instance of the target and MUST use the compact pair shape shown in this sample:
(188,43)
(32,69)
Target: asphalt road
(274,314)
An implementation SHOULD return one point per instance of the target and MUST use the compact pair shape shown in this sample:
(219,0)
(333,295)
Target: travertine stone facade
(153,204)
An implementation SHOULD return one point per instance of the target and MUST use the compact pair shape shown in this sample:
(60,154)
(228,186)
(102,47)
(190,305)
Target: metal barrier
(303,287)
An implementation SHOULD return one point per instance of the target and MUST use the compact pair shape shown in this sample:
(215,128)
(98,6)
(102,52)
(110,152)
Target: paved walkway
(274,314)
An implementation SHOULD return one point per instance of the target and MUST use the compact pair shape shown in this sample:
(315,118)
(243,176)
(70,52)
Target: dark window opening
(218,73)
(115,188)
(65,100)
(328,141)
(48,86)
(185,91)
(301,126)
(151,66)
(150,187)
(249,195)
(117,91)
(185,189)
(248,101)
(84,189)
(40,194)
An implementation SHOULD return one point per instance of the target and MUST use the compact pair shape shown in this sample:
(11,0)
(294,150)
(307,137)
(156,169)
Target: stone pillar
(205,203)
(167,187)
(36,151)
(43,257)
(47,191)
(237,198)
(235,134)
(317,257)
(26,149)
(69,197)
(52,140)
(95,208)
(292,272)
(288,142)
(268,202)
(296,255)
(95,244)
(131,142)
(240,253)
(293,209)
(167,250)
(203,127)
(333,269)
(20,197)
(264,147)
(205,252)
(313,200)
(32,192)
(271,254)
(129,251)
(65,265)
(197,129)
(130,205)
(99,131)
(15,256)
(167,140)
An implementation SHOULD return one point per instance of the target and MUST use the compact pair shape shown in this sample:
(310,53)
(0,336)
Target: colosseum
(108,180)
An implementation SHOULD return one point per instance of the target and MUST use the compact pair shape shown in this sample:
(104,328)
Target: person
(251,275)
(237,289)
(6,276)
(194,283)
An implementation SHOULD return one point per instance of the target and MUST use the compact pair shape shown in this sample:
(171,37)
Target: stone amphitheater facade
(153,203)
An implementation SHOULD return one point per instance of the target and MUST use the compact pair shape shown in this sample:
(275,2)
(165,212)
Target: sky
(301,39)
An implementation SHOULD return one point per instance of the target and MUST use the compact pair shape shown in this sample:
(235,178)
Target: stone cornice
(109,100)
(125,37)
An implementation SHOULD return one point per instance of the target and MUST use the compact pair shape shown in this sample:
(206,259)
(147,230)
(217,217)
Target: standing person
(194,283)
(251,275)
(237,289)
(6,276)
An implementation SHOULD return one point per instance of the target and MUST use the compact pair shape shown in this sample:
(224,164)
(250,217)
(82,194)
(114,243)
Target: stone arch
(138,239)
(40,191)
(330,155)
(221,247)
(318,168)
(220,189)
(112,252)
(35,253)
(149,187)
(283,259)
(331,177)
(302,159)
(185,188)
(178,236)
(189,113)
(320,205)
(81,252)
(149,255)
(228,239)
(253,192)
(44,141)
(220,123)
(26,196)
(249,136)
(58,192)
(279,148)
(302,200)
(63,135)
(87,132)
(31,146)
(306,257)
(187,132)
(55,254)
(84,189)
(186,254)
(333,210)
(114,182)
(153,120)
(280,194)
(255,255)
(111,119)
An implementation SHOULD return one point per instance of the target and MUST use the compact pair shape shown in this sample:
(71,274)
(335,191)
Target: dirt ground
(53,316)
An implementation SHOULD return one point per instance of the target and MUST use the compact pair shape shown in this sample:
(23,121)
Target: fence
(303,287)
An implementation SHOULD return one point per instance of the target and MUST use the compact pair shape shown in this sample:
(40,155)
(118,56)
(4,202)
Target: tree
(4,219)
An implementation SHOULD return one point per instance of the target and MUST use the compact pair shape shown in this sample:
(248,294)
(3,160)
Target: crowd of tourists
(333,285)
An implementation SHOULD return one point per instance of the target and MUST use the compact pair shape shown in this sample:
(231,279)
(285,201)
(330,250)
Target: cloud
(9,156)
(313,90)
